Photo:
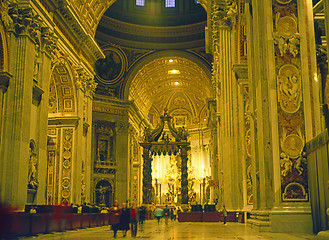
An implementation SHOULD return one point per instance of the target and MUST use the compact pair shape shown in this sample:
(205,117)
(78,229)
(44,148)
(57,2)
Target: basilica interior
(179,102)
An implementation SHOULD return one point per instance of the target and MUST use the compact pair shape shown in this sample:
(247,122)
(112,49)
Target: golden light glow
(176,83)
(170,60)
(174,71)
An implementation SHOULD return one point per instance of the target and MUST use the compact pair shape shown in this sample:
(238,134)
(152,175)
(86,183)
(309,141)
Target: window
(140,3)
(170,3)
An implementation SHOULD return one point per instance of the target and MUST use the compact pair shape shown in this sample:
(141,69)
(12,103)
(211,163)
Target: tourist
(166,213)
(133,219)
(224,214)
(124,219)
(115,212)
(141,215)
(158,213)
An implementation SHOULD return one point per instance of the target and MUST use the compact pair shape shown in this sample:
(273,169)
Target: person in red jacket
(133,219)
(115,212)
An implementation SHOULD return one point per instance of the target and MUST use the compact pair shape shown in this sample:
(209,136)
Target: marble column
(184,174)
(283,100)
(147,174)
(230,176)
(43,76)
(122,140)
(16,123)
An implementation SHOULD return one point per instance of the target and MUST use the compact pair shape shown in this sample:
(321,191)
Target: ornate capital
(85,81)
(7,21)
(25,22)
(48,41)
(223,14)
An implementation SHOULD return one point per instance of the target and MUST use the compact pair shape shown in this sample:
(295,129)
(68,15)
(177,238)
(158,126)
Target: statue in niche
(102,193)
(32,175)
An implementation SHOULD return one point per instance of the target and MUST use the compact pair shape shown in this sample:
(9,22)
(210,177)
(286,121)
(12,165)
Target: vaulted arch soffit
(4,53)
(153,85)
(90,12)
(62,98)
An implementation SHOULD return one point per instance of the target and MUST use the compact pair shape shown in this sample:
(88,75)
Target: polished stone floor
(176,231)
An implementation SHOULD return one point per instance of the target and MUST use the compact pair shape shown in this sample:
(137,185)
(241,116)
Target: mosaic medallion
(293,145)
(110,69)
(287,26)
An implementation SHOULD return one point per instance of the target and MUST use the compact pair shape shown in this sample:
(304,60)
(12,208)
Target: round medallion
(67,145)
(293,145)
(110,69)
(179,101)
(66,183)
(67,154)
(284,1)
(287,26)
(65,193)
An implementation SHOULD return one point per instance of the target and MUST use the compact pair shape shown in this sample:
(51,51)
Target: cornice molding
(86,40)
(241,71)
(152,31)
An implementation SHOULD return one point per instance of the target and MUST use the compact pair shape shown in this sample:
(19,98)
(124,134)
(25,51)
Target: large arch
(204,65)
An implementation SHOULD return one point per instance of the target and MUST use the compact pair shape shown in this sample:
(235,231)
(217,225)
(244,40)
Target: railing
(18,224)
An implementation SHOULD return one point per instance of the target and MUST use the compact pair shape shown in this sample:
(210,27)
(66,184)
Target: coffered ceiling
(176,83)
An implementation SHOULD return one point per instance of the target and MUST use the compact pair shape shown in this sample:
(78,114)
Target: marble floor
(175,231)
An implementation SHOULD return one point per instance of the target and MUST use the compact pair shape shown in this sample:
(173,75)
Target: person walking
(224,214)
(141,215)
(133,219)
(115,212)
(166,213)
(124,219)
(158,213)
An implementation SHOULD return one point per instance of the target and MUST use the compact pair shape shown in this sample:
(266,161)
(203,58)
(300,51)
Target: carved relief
(66,165)
(293,168)
(295,192)
(247,144)
(289,88)
(25,21)
(286,36)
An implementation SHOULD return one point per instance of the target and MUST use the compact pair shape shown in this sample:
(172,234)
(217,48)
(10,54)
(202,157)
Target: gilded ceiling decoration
(173,82)
(89,12)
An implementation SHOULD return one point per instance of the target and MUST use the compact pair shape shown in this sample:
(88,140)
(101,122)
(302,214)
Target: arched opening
(103,193)
(62,122)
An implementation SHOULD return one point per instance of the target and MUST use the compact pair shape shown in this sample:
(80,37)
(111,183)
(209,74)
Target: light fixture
(174,71)
(176,83)
(170,60)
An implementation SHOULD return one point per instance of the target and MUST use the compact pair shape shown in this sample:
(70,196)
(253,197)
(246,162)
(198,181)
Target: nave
(175,231)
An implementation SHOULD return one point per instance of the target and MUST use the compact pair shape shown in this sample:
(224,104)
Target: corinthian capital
(223,13)
(85,81)
(48,40)
(25,22)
